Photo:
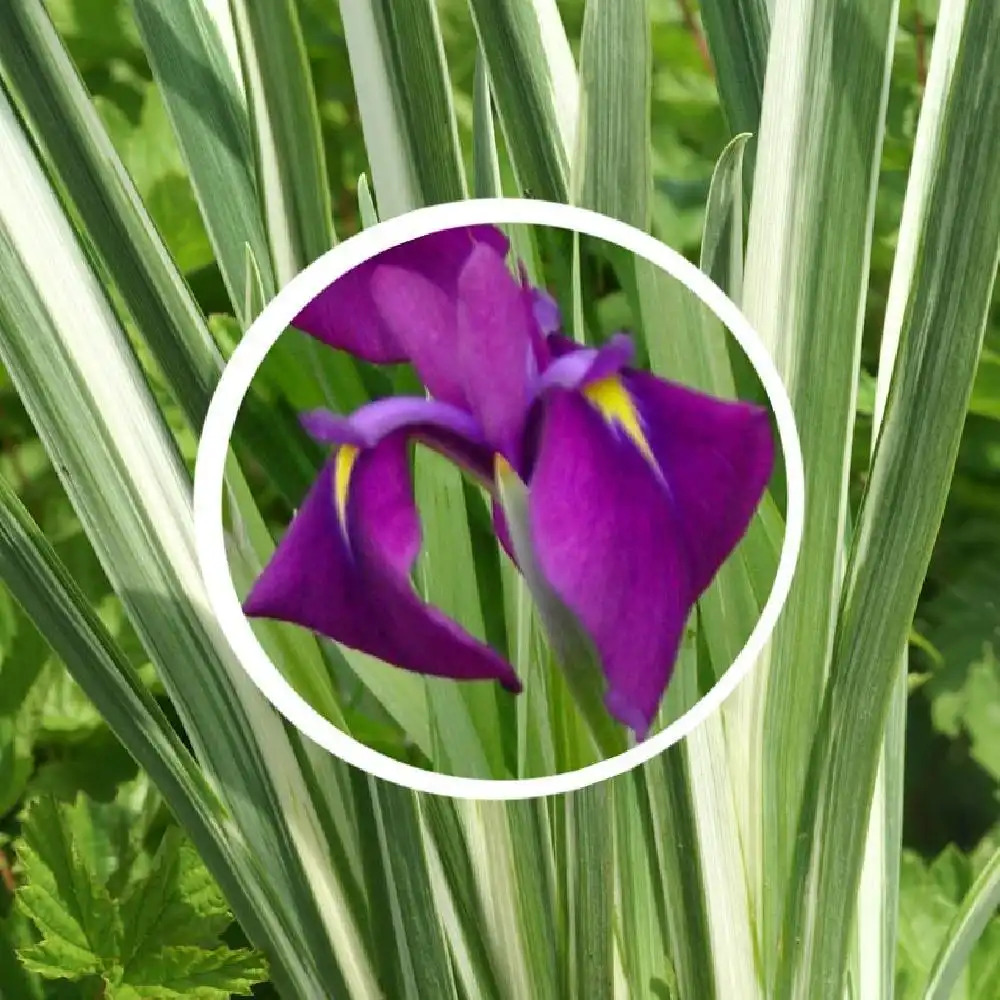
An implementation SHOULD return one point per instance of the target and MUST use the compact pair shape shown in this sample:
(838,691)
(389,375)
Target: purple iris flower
(636,489)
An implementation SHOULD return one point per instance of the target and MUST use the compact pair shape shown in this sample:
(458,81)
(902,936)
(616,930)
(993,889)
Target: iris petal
(354,587)
(447,429)
(716,457)
(423,320)
(546,311)
(576,366)
(495,328)
(344,315)
(608,541)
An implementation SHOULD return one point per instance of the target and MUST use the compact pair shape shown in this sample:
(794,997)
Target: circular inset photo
(519,506)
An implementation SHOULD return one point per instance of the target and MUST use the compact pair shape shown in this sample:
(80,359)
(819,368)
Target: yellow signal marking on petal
(617,407)
(347,455)
(501,467)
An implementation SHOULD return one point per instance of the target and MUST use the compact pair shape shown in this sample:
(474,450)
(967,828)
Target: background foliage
(54,744)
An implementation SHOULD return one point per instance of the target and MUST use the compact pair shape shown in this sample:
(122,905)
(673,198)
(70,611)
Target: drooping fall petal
(716,457)
(342,569)
(608,540)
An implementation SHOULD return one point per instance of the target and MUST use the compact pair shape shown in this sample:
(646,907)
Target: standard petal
(716,457)
(496,329)
(348,578)
(546,311)
(546,315)
(576,366)
(607,540)
(344,314)
(423,319)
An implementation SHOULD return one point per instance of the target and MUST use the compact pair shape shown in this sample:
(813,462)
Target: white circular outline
(235,382)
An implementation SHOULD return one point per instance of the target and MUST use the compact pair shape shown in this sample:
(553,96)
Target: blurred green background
(51,738)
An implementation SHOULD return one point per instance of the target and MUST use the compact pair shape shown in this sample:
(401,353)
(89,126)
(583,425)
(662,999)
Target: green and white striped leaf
(455,893)
(722,243)
(95,415)
(949,246)
(48,594)
(39,74)
(534,83)
(411,135)
(589,943)
(192,48)
(613,158)
(405,921)
(292,178)
(979,906)
(100,196)
(513,867)
(677,853)
(404,96)
(738,34)
(804,290)
(485,161)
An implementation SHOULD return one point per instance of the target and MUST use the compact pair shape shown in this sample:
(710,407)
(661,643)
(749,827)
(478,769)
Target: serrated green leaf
(37,579)
(72,910)
(176,904)
(17,980)
(108,835)
(185,973)
(973,934)
(56,957)
(968,698)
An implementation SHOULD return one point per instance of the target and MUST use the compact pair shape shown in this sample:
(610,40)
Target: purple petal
(608,541)
(495,327)
(423,319)
(344,314)
(546,311)
(559,344)
(446,428)
(716,457)
(353,586)
(541,305)
(578,366)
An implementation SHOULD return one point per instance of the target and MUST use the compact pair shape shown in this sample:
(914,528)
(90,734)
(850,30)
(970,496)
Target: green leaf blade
(405,101)
(534,80)
(613,167)
(949,239)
